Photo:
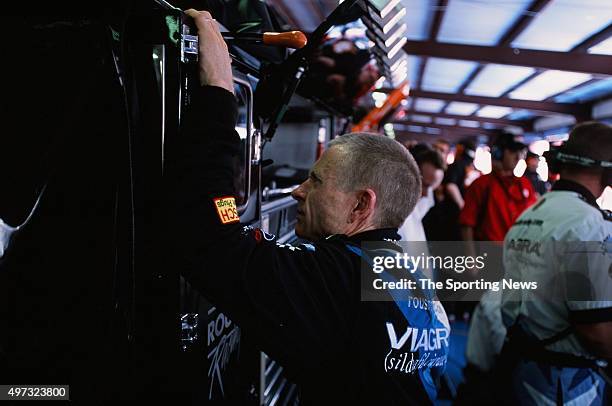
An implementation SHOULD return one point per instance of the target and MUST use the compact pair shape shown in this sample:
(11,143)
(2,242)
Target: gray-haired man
(301,304)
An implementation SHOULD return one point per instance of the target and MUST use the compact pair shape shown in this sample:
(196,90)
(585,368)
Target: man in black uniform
(301,304)
(441,223)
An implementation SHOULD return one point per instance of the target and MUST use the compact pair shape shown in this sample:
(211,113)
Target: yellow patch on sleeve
(226,209)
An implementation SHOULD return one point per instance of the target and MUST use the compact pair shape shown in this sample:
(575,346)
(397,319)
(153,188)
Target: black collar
(571,186)
(376,235)
(379,234)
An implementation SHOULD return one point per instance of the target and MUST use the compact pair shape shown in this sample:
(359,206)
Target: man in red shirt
(494,201)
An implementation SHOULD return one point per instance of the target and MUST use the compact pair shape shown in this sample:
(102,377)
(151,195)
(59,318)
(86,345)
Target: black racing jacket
(300,304)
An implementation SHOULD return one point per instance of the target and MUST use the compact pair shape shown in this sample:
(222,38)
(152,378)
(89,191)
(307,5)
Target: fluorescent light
(493,80)
(469,123)
(549,83)
(519,169)
(563,24)
(429,105)
(445,121)
(494,111)
(554,121)
(479,22)
(461,108)
(542,169)
(446,75)
(419,19)
(604,47)
(539,147)
(414,64)
(482,160)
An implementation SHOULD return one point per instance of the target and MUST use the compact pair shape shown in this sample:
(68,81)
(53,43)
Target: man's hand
(214,61)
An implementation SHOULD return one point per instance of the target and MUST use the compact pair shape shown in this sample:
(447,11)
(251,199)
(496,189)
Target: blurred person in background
(492,204)
(454,180)
(443,147)
(560,335)
(432,169)
(532,161)
(441,222)
(494,201)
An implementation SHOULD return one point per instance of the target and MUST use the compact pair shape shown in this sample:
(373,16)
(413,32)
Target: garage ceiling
(485,64)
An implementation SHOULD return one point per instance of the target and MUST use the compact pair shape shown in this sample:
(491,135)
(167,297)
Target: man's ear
(364,206)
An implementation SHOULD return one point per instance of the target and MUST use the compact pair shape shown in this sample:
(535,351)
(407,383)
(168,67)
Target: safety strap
(557,337)
(534,349)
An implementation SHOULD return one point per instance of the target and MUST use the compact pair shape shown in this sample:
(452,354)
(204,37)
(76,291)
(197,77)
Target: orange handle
(372,119)
(290,39)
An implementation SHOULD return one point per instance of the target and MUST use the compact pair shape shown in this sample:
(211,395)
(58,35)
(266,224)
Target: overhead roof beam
(582,47)
(589,42)
(588,82)
(452,128)
(594,39)
(437,19)
(402,135)
(562,108)
(521,83)
(419,76)
(499,121)
(433,34)
(569,61)
(511,34)
(523,22)
(470,78)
